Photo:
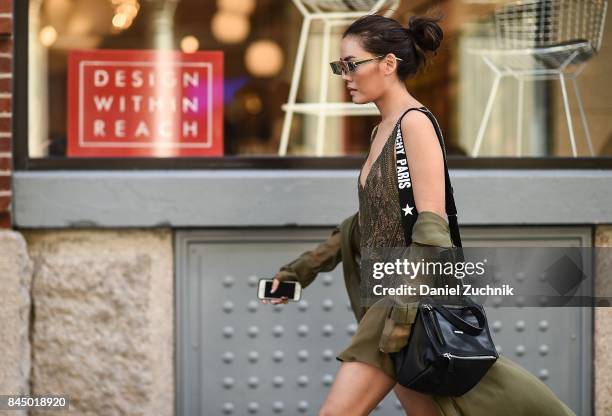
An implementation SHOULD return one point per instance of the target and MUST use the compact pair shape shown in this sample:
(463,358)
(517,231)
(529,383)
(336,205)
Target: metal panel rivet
(277,330)
(253,407)
(253,356)
(253,382)
(328,379)
(278,381)
(497,326)
(328,279)
(302,380)
(252,306)
(302,406)
(302,330)
(253,331)
(228,306)
(303,355)
(277,356)
(228,357)
(278,407)
(253,280)
(228,382)
(228,408)
(228,331)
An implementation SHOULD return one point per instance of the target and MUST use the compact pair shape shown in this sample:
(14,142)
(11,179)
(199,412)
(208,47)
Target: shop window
(254,45)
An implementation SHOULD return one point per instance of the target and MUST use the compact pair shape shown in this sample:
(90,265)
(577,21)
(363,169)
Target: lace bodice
(379,211)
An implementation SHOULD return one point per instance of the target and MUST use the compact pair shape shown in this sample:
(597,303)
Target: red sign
(127,103)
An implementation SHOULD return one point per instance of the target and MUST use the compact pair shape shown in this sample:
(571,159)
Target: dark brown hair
(381,35)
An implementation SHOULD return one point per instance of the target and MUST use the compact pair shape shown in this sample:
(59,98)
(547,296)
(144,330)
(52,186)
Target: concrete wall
(15,283)
(603,325)
(103,327)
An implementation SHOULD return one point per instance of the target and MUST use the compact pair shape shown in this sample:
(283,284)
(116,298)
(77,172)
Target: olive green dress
(380,225)
(507,388)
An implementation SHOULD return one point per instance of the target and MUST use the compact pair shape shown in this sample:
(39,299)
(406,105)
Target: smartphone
(293,290)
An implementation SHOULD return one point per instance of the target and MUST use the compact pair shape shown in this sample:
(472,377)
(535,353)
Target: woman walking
(378,55)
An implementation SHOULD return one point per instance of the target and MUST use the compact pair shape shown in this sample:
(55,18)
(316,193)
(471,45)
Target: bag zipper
(437,329)
(450,357)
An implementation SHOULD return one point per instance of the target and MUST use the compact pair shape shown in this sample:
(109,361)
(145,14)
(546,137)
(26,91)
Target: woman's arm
(323,258)
(426,162)
(326,256)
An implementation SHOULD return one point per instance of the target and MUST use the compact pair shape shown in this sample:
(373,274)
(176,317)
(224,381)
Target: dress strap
(372,135)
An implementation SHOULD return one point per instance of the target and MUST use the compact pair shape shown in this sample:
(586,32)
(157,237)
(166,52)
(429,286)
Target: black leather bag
(449,347)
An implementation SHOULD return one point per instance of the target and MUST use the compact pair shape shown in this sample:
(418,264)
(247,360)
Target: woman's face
(368,81)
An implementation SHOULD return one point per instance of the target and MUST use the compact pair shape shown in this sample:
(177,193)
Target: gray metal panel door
(236,356)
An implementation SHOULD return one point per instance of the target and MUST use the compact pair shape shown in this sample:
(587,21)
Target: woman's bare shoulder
(419,134)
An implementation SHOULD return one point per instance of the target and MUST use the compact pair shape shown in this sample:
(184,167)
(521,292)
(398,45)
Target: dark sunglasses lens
(336,67)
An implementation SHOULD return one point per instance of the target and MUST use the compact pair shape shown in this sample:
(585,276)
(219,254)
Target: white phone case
(297,293)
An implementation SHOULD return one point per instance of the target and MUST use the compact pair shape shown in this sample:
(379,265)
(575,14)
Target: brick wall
(6,98)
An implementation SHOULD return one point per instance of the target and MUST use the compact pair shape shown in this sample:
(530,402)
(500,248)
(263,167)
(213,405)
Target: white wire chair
(331,13)
(543,39)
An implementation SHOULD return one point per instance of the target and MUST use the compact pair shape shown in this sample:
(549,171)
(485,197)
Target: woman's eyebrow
(346,58)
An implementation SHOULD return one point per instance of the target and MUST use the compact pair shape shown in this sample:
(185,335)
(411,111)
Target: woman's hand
(279,277)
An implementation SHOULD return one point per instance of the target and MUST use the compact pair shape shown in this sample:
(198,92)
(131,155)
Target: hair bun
(426,31)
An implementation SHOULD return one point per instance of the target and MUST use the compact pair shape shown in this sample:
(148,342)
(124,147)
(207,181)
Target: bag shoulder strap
(404,181)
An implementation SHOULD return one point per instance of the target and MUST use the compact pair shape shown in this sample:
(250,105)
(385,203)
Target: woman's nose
(346,76)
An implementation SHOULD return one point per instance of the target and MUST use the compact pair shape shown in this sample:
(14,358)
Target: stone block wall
(103,319)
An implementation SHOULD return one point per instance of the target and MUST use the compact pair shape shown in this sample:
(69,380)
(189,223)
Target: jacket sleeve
(323,258)
(428,239)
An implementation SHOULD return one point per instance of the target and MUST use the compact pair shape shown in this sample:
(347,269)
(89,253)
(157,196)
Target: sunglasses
(340,67)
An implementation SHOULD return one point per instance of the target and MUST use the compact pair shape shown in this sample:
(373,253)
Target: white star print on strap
(408,209)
